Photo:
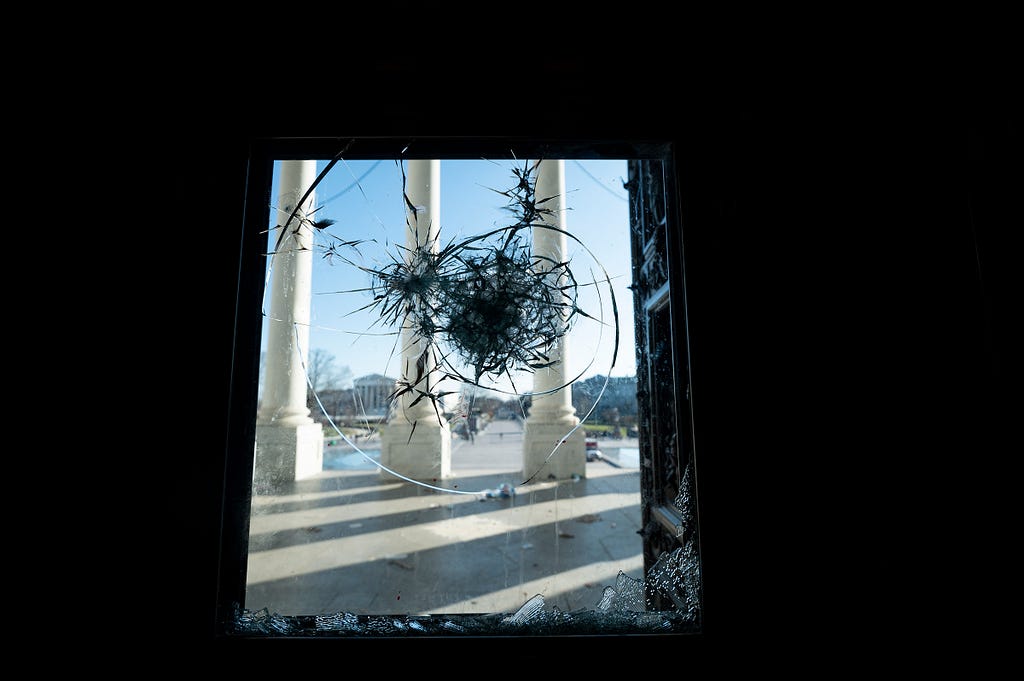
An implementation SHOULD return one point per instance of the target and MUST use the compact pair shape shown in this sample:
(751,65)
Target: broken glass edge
(264,624)
(676,574)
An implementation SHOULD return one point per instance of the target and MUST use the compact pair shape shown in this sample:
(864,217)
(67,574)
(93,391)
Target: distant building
(373,392)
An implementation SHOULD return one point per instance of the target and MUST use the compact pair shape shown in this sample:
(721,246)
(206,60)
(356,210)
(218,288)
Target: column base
(540,438)
(427,457)
(285,454)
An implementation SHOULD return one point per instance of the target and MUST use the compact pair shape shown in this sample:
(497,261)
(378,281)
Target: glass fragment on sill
(530,620)
(527,612)
(620,611)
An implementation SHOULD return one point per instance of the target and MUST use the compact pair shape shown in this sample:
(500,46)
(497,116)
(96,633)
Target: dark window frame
(261,154)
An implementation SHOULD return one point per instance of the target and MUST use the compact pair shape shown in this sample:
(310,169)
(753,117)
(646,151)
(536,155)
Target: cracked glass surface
(457,312)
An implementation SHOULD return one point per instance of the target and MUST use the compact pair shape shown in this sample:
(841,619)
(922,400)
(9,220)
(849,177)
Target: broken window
(461,395)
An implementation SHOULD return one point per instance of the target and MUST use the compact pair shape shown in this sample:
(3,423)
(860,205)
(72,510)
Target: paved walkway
(353,540)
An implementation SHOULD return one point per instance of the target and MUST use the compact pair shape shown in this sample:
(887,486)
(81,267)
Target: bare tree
(325,378)
(321,371)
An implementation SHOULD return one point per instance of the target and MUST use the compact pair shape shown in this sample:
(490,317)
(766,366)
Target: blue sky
(365,199)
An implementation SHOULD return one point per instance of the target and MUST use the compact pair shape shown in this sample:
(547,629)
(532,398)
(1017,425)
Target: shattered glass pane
(448,437)
(677,575)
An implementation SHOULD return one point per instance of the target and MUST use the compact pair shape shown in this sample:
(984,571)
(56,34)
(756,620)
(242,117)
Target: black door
(667,464)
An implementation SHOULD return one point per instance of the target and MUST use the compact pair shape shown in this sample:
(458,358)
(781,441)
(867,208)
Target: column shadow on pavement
(429,580)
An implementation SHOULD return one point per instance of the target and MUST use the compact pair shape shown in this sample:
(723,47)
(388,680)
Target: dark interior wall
(995,214)
(823,296)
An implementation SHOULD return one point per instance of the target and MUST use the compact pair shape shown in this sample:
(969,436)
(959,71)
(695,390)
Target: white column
(427,455)
(289,444)
(552,415)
